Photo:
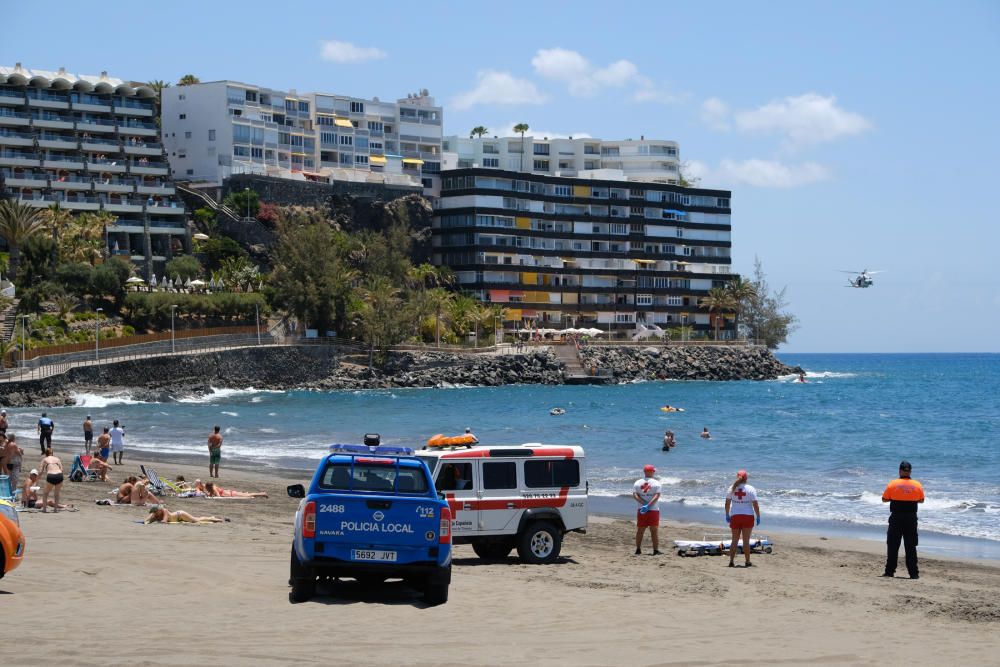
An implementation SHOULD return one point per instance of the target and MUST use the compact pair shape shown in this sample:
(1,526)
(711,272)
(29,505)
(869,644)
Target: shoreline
(813,599)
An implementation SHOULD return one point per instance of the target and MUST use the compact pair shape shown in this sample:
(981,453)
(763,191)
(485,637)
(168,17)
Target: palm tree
(522,128)
(477,131)
(18,223)
(744,294)
(58,217)
(158,85)
(718,300)
(440,299)
(188,80)
(6,347)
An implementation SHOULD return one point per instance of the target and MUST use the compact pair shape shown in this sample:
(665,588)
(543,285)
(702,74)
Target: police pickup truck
(371,514)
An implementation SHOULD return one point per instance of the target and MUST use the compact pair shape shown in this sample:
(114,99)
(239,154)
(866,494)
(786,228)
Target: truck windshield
(373,477)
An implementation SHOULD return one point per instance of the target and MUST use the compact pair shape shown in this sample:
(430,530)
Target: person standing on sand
(88,433)
(104,445)
(117,443)
(3,422)
(52,468)
(903,495)
(10,458)
(214,452)
(45,428)
(646,492)
(741,507)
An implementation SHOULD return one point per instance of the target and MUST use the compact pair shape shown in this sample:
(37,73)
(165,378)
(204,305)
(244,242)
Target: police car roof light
(384,450)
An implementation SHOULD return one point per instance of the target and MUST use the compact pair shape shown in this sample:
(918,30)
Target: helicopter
(861,279)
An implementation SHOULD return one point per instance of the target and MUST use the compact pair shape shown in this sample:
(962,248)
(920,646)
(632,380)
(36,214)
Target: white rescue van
(518,496)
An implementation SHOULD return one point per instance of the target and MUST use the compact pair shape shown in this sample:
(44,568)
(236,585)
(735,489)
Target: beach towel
(107,502)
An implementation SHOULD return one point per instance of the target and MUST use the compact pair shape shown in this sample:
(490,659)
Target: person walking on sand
(903,495)
(741,507)
(45,428)
(214,452)
(646,492)
(117,443)
(52,468)
(88,433)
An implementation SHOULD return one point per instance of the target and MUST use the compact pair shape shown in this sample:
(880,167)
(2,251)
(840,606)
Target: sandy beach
(98,588)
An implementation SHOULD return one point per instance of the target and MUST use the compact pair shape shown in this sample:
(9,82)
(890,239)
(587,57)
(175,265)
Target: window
(327,137)
(375,125)
(375,145)
(722,202)
(257,152)
(644,300)
(541,165)
(491,162)
(361,142)
(346,140)
(187,135)
(454,477)
(357,107)
(182,154)
(372,477)
(680,233)
(303,106)
(183,116)
(427,183)
(324,120)
(541,149)
(360,159)
(235,112)
(211,135)
(674,301)
(182,96)
(241,151)
(289,105)
(346,159)
(561,190)
(500,475)
(190,172)
(551,474)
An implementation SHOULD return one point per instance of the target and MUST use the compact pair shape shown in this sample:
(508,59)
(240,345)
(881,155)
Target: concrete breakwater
(331,368)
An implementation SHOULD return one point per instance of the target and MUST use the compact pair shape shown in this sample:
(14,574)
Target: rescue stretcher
(715,545)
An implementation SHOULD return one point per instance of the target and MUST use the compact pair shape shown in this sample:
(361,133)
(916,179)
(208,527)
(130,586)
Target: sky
(852,135)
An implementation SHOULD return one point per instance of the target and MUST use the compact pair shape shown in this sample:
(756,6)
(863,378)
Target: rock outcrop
(686,363)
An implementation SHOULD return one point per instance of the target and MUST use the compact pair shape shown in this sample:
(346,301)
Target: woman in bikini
(213,491)
(52,468)
(160,514)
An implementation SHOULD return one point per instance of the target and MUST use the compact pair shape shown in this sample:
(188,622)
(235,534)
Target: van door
(499,494)
(458,481)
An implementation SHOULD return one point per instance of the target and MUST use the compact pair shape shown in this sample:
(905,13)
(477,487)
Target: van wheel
(540,543)
(435,587)
(492,550)
(302,579)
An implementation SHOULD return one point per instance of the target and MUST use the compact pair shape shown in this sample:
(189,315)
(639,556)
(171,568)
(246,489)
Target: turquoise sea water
(819,452)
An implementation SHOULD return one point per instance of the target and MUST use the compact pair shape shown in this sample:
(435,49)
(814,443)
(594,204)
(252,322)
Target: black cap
(905,465)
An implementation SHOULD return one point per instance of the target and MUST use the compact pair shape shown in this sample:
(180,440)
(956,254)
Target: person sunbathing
(124,494)
(141,493)
(213,491)
(160,514)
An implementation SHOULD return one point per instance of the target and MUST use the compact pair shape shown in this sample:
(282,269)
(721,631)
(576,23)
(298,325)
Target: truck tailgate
(376,528)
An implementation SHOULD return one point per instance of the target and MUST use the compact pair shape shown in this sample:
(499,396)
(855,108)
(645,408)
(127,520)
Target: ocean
(819,453)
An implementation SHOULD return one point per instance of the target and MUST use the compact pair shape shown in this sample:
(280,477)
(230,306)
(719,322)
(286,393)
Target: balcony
(89,143)
(23,179)
(113,185)
(59,142)
(15,159)
(104,165)
(15,138)
(91,104)
(138,128)
(149,169)
(133,108)
(155,189)
(42,100)
(8,96)
(65,182)
(164,208)
(81,203)
(62,162)
(53,122)
(8,117)
(123,205)
(147,148)
(95,125)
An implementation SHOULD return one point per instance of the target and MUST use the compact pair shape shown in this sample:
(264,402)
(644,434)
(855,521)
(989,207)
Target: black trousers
(902,527)
(45,440)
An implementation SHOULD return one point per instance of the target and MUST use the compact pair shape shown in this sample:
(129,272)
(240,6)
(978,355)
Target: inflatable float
(442,440)
(555,412)
(670,408)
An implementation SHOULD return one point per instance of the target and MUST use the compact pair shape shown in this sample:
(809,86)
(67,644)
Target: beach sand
(98,588)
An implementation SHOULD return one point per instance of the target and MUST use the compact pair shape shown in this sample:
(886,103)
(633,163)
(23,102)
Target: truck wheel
(302,579)
(539,543)
(492,550)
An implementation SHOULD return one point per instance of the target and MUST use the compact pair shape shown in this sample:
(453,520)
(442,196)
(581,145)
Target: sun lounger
(80,472)
(714,545)
(155,483)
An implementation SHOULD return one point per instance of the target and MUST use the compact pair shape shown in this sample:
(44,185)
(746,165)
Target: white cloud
(493,87)
(806,119)
(770,173)
(584,79)
(715,114)
(695,170)
(345,52)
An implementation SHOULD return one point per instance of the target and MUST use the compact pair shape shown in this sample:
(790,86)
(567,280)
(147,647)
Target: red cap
(649,467)
(742,474)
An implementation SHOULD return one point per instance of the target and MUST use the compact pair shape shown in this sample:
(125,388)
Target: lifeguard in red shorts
(646,492)
(742,512)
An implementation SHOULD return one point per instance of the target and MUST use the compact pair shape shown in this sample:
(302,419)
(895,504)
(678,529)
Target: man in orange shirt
(903,494)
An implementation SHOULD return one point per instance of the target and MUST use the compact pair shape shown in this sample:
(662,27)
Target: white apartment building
(646,160)
(216,129)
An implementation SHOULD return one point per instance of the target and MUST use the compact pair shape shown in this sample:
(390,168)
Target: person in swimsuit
(160,514)
(214,452)
(3,422)
(213,491)
(125,490)
(29,492)
(88,433)
(705,434)
(141,494)
(668,441)
(52,468)
(104,445)
(10,459)
(100,467)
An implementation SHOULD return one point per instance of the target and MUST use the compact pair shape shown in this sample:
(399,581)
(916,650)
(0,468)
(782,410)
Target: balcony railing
(11,93)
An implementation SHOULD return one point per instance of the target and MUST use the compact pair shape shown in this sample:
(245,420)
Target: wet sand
(98,588)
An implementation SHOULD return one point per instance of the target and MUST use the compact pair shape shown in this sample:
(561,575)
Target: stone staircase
(8,321)
(574,371)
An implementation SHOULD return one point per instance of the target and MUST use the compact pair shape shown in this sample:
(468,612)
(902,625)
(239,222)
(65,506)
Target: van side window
(550,474)
(454,477)
(500,475)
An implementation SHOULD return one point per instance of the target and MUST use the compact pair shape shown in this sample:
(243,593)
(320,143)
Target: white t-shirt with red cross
(647,488)
(742,499)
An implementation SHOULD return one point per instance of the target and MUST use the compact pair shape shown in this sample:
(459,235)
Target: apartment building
(217,129)
(91,143)
(648,160)
(561,251)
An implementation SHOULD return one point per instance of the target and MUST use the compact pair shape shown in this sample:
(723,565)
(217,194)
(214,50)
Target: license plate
(363,554)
